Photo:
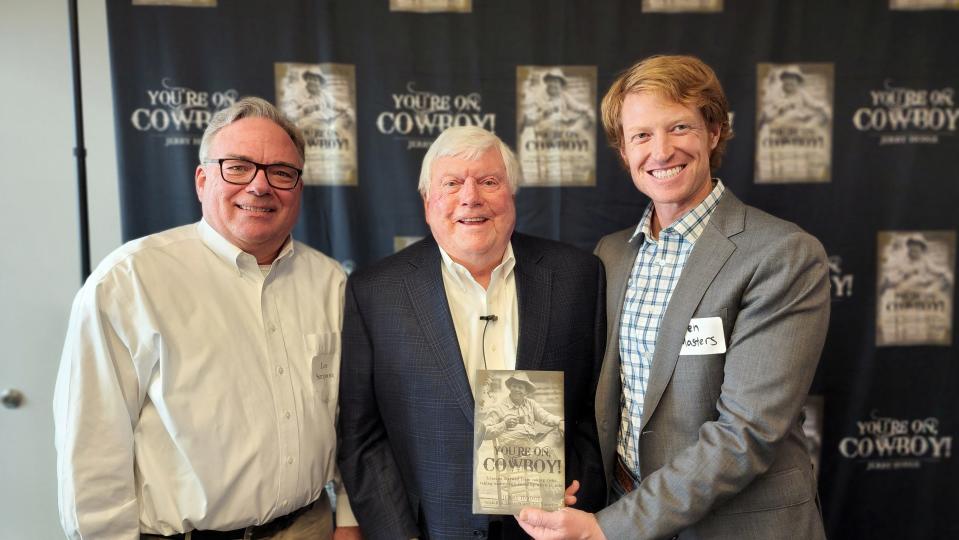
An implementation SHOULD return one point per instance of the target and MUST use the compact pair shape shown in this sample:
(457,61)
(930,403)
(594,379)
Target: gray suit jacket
(722,452)
(406,408)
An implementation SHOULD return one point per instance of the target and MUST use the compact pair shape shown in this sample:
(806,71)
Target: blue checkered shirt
(655,273)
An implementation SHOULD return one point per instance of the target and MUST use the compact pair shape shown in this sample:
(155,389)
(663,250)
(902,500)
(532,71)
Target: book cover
(518,453)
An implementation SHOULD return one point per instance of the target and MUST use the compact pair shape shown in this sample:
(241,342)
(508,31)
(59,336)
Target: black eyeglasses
(241,171)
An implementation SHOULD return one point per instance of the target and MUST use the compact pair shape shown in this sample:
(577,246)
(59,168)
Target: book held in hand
(518,452)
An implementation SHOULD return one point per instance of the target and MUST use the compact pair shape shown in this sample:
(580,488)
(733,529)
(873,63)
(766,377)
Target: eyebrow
(690,120)
(247,158)
(478,175)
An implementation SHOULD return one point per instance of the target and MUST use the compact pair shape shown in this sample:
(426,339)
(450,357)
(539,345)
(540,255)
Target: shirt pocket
(324,352)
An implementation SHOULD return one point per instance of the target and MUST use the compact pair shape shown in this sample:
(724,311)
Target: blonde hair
(684,79)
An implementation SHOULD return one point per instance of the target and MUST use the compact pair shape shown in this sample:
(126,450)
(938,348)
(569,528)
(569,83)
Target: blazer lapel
(428,298)
(617,277)
(711,252)
(533,285)
(610,389)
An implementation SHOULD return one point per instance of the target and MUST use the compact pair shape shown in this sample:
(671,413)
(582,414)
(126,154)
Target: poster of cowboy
(794,121)
(321,100)
(556,125)
(915,287)
(518,450)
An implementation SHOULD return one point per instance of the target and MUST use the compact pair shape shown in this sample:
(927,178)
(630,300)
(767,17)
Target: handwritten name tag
(704,336)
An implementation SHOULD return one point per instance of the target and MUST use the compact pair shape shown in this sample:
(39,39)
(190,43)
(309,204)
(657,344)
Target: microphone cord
(488,319)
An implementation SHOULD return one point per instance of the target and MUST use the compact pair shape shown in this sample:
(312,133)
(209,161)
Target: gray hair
(250,107)
(469,142)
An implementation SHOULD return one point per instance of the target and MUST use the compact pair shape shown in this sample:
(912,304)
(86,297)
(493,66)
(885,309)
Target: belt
(624,477)
(246,533)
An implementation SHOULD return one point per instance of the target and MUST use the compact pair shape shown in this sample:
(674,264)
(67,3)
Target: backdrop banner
(845,121)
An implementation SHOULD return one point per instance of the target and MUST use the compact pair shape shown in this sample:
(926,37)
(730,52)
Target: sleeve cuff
(344,514)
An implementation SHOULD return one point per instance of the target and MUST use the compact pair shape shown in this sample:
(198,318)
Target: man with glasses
(197,390)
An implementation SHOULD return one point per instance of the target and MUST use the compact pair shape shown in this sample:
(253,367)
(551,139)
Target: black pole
(79,150)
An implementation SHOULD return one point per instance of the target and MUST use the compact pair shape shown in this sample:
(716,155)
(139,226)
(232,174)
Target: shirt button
(280,370)
(272,328)
(290,460)
(287,415)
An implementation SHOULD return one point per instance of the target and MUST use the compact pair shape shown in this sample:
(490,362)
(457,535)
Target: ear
(199,177)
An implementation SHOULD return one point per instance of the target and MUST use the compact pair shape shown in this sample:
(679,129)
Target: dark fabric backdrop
(174,65)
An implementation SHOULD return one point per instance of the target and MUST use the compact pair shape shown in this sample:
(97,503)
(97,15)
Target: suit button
(479,533)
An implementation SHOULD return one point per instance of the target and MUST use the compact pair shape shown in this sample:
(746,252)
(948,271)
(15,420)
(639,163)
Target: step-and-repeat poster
(844,114)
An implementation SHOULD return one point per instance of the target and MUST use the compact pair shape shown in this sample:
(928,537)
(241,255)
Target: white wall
(98,127)
(39,232)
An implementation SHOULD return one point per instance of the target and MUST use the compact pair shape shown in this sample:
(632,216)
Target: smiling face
(554,86)
(517,392)
(666,148)
(790,85)
(470,211)
(915,250)
(254,217)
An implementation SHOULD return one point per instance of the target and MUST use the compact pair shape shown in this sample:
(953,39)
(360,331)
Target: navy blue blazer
(406,409)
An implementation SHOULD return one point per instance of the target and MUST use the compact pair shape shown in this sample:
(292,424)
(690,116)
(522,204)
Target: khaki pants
(317,523)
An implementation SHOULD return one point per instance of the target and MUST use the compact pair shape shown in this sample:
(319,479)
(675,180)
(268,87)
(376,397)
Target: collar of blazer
(424,284)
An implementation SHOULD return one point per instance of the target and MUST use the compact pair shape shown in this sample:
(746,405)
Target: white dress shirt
(468,301)
(196,393)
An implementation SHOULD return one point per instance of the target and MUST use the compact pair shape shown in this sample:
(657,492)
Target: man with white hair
(419,324)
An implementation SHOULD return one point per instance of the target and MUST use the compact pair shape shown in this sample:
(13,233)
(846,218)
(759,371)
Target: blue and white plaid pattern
(655,273)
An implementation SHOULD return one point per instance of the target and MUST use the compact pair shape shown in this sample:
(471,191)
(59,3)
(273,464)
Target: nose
(662,148)
(469,193)
(259,185)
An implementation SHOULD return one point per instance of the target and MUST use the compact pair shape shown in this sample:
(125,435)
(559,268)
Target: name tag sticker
(323,376)
(704,336)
